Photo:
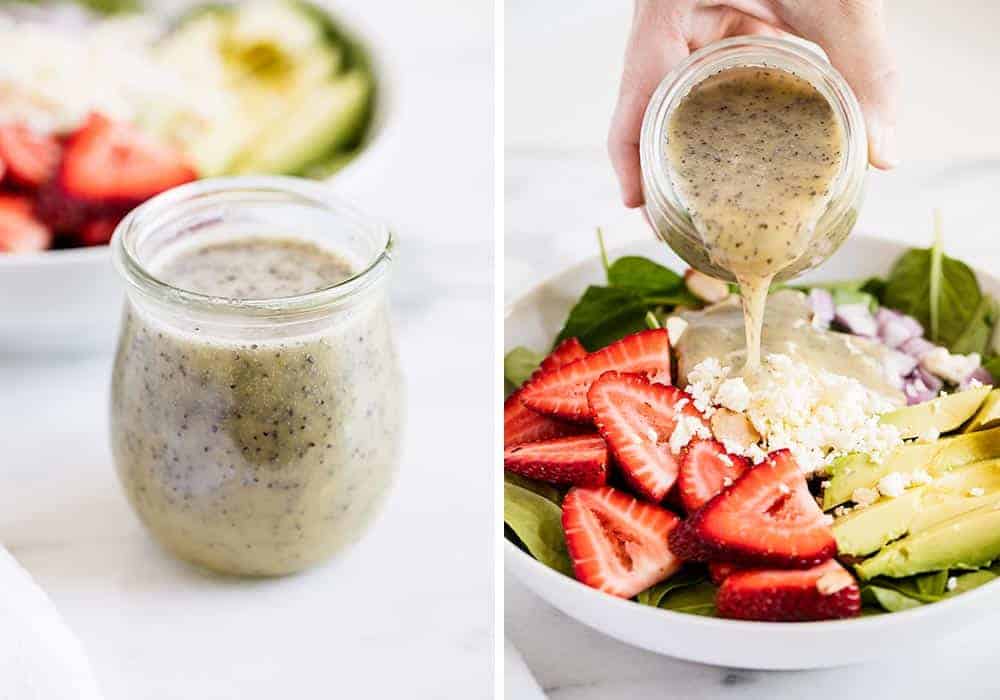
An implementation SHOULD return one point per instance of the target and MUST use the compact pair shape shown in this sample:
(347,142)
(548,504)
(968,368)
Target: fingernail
(882,146)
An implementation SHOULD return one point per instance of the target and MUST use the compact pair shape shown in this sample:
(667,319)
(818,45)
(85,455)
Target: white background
(562,64)
(407,613)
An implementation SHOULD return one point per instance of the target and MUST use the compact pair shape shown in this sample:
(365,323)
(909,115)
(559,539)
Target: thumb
(853,34)
(655,45)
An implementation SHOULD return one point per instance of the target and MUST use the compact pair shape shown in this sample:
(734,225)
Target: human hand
(664,32)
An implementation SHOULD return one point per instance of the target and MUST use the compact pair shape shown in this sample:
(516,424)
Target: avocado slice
(988,415)
(867,530)
(967,541)
(943,414)
(328,118)
(857,470)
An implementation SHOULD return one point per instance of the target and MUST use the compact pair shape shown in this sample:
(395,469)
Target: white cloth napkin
(519,684)
(40,658)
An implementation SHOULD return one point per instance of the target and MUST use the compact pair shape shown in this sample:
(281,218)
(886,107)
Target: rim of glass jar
(795,56)
(157,212)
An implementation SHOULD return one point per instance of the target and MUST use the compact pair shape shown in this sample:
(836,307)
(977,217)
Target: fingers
(853,34)
(656,45)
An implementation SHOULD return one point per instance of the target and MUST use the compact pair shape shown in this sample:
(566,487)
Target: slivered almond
(834,581)
(706,288)
(732,428)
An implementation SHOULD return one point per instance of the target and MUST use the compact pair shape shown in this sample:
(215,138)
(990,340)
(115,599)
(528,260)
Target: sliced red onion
(980,375)
(822,305)
(917,347)
(931,381)
(895,328)
(916,391)
(899,364)
(857,319)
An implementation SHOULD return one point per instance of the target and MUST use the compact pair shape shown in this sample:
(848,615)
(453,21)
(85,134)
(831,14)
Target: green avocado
(967,541)
(943,414)
(855,471)
(988,415)
(327,119)
(867,530)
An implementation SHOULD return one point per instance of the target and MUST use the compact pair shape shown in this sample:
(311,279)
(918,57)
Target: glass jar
(664,207)
(255,437)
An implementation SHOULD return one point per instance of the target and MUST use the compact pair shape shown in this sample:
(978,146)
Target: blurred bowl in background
(69,300)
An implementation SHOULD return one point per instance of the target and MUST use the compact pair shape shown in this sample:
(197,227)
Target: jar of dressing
(256,399)
(726,235)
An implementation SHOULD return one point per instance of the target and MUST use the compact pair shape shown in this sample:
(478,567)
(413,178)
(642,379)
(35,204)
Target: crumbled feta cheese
(893,484)
(976,492)
(864,496)
(951,368)
(841,511)
(920,477)
(675,328)
(929,435)
(825,484)
(733,394)
(686,429)
(819,416)
(952,583)
(733,429)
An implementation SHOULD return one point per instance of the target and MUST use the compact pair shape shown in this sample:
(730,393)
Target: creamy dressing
(266,453)
(717,332)
(754,153)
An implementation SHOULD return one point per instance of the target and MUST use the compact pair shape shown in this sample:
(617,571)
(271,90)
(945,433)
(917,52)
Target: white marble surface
(408,613)
(559,186)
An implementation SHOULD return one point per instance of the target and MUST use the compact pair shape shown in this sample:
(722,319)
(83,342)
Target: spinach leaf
(891,600)
(604,315)
(643,275)
(537,522)
(698,599)
(933,584)
(977,335)
(544,490)
(687,576)
(519,363)
(940,292)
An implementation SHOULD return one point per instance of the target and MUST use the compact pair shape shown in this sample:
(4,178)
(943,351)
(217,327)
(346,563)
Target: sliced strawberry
(766,518)
(719,571)
(108,161)
(706,469)
(563,392)
(20,231)
(521,424)
(567,351)
(581,460)
(824,592)
(637,419)
(617,543)
(97,231)
(31,158)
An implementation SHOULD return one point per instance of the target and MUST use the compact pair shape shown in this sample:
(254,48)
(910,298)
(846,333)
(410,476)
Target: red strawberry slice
(563,392)
(719,571)
(637,418)
(97,231)
(617,543)
(108,161)
(581,460)
(20,231)
(766,518)
(705,470)
(30,158)
(521,424)
(824,592)
(567,351)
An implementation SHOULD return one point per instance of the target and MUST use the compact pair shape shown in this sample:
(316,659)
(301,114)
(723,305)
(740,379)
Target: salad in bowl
(640,462)
(99,115)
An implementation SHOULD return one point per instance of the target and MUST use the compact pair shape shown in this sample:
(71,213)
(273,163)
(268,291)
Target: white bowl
(69,301)
(533,320)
